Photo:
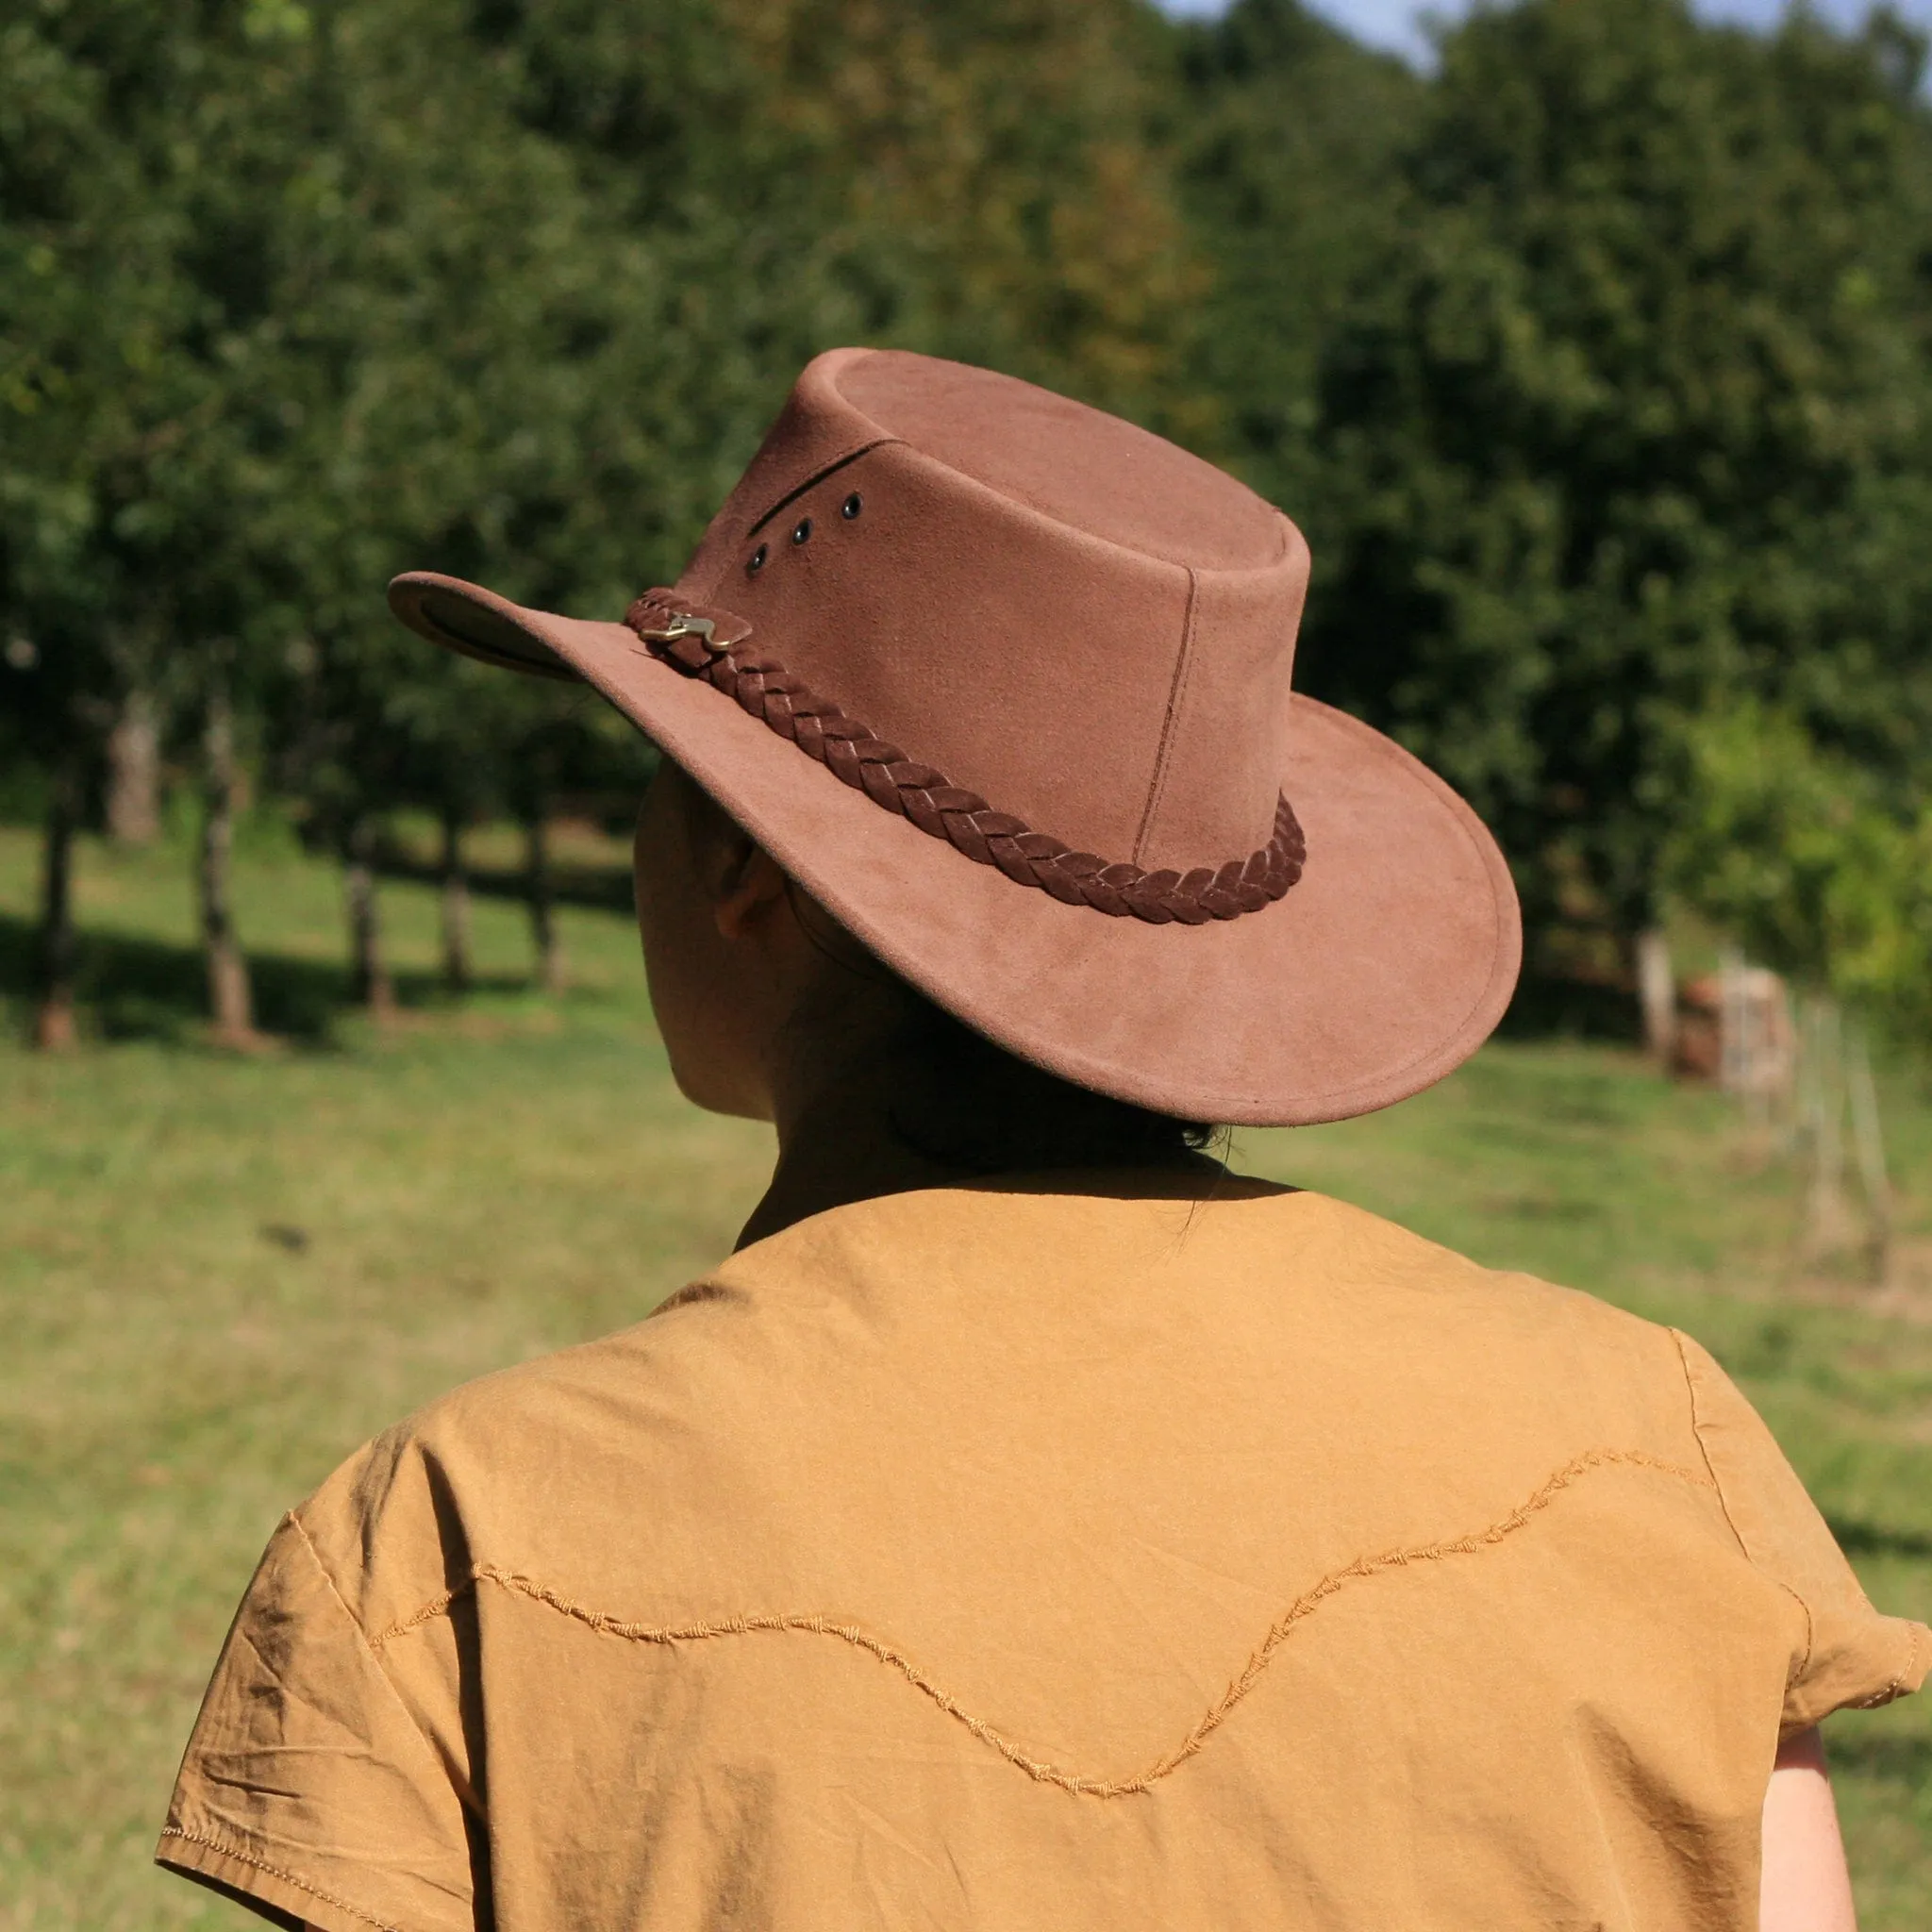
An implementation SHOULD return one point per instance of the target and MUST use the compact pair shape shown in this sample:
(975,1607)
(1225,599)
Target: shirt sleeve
(309,1790)
(1853,1658)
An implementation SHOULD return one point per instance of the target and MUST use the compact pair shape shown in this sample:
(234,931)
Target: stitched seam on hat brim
(302,1885)
(817,477)
(556,668)
(818,1624)
(1349,1094)
(1446,1049)
(1084,1067)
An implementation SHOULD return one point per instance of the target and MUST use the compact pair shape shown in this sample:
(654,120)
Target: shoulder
(1442,1287)
(1496,1354)
(529,1458)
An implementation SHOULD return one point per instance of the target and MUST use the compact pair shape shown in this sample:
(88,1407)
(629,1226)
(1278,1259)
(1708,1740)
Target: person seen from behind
(1035,1525)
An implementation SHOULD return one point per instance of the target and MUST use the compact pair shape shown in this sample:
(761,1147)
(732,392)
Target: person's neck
(837,1146)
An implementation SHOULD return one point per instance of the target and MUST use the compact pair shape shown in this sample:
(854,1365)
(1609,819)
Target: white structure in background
(1734,1027)
(1804,1083)
(1757,1046)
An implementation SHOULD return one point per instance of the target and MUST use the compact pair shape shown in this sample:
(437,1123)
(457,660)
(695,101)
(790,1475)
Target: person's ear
(749,889)
(742,882)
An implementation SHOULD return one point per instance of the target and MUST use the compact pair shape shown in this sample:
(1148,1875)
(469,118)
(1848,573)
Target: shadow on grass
(143,988)
(1898,1760)
(1874,1540)
(1547,1006)
(602,887)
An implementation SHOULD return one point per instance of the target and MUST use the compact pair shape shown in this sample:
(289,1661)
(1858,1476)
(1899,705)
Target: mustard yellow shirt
(1021,1558)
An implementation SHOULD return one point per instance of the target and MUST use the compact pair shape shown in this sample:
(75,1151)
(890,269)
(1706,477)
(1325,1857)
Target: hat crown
(1083,467)
(1072,617)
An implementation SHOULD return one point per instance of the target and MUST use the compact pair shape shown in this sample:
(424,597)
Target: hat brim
(1385,966)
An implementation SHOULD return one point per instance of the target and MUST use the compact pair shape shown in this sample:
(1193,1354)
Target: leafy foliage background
(1595,365)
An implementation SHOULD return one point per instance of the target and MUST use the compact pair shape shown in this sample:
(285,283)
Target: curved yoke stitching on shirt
(241,1857)
(1303,1607)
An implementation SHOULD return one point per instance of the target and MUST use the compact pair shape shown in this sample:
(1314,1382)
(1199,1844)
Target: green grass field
(220,1274)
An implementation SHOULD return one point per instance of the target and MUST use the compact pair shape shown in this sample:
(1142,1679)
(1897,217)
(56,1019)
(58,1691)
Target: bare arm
(1806,1887)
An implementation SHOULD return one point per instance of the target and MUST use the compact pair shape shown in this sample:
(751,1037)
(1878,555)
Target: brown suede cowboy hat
(1004,683)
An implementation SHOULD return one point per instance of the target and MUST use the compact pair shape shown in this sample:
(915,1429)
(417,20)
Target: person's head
(1001,688)
(771,1010)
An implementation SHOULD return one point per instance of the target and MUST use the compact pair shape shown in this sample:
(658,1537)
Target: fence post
(1868,1138)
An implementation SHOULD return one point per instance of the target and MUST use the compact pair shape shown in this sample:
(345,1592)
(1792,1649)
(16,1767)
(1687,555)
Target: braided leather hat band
(707,644)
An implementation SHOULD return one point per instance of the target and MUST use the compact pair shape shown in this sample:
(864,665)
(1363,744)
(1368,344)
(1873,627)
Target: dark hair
(964,1100)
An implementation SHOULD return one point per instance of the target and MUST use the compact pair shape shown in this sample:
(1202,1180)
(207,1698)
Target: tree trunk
(54,1012)
(134,773)
(550,970)
(455,906)
(370,978)
(1656,991)
(230,1000)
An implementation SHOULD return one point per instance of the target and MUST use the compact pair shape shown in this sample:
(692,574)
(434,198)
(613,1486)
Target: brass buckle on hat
(693,635)
(684,639)
(684,625)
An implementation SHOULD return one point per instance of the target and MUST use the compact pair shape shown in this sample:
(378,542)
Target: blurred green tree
(1634,420)
(1596,367)
(987,178)
(1287,140)
(452,317)
(972,181)
(1802,855)
(124,488)
(552,298)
